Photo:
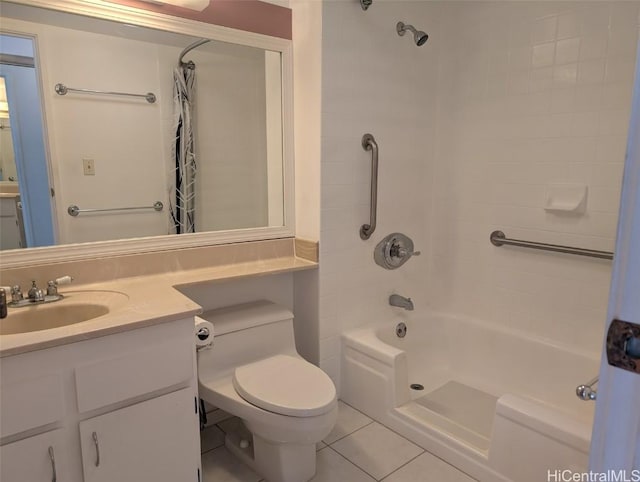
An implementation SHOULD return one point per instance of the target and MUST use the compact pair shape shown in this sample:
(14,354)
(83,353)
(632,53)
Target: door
(27,133)
(156,440)
(41,458)
(615,443)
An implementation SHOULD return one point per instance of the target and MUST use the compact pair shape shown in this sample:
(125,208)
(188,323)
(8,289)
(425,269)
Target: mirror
(119,166)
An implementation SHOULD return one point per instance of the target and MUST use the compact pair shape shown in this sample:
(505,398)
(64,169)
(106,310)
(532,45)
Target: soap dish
(566,198)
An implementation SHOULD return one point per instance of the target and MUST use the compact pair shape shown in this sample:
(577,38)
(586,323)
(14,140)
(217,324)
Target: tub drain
(416,386)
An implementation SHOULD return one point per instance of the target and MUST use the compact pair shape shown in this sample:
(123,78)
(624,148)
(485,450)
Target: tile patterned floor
(358,449)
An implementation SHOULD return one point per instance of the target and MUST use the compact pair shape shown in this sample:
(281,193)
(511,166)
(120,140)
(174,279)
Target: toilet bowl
(254,372)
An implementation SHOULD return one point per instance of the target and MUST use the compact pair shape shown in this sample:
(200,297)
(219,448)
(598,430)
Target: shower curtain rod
(188,49)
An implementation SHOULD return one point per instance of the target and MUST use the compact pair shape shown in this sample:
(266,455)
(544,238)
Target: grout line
(350,433)
(351,462)
(349,405)
(399,435)
(406,463)
(211,450)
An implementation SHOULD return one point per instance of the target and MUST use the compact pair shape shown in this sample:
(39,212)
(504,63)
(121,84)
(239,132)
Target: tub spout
(401,302)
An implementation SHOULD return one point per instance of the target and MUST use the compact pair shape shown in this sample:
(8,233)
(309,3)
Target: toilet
(254,372)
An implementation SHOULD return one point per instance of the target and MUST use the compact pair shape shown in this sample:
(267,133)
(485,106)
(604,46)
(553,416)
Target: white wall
(530,93)
(307,79)
(307,103)
(231,142)
(374,82)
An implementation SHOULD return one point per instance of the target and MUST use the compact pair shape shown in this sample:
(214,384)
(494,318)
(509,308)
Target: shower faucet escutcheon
(394,250)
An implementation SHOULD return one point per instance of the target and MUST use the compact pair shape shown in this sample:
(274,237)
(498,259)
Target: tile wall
(529,94)
(503,100)
(373,81)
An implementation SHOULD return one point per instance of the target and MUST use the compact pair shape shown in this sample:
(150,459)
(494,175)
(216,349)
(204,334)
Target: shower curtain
(183,150)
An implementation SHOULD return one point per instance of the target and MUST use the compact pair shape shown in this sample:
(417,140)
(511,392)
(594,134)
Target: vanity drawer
(30,404)
(133,374)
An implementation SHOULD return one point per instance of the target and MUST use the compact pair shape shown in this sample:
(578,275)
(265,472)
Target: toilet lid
(286,385)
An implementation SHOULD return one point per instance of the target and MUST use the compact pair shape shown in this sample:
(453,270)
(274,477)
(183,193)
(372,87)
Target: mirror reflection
(204,153)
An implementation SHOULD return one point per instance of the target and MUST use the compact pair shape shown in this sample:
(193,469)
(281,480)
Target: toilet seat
(285,385)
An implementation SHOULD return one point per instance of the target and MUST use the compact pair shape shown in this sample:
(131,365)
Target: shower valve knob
(405,253)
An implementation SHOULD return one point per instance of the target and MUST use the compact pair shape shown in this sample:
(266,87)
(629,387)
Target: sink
(75,307)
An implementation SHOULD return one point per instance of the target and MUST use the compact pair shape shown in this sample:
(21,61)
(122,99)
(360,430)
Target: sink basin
(75,307)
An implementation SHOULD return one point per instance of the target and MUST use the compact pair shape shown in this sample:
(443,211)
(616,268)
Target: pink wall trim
(250,15)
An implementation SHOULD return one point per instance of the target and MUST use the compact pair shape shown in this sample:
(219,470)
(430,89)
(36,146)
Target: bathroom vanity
(104,409)
(114,397)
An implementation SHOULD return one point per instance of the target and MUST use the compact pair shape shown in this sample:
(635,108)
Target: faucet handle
(52,285)
(63,280)
(405,253)
(16,293)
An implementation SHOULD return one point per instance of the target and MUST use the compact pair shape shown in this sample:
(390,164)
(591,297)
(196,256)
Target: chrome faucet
(401,302)
(35,294)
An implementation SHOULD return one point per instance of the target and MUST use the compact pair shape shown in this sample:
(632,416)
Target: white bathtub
(496,404)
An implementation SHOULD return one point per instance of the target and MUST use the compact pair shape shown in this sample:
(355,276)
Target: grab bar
(62,89)
(498,238)
(74,210)
(586,392)
(369,144)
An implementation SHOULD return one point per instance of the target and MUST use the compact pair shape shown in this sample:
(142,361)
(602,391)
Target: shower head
(365,4)
(419,37)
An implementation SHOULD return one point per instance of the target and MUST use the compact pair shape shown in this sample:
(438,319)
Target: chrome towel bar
(62,89)
(498,238)
(369,144)
(74,210)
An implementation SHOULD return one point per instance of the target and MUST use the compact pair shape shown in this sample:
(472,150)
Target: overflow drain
(416,386)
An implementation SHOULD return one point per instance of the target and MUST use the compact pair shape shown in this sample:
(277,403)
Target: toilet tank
(246,333)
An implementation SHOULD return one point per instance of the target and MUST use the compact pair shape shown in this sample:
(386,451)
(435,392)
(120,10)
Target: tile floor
(357,450)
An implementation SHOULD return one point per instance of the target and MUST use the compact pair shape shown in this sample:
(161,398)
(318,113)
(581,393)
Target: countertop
(152,299)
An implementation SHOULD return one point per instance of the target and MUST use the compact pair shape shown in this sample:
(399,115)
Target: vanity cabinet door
(41,458)
(156,440)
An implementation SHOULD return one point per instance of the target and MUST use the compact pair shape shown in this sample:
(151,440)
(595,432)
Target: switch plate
(89,167)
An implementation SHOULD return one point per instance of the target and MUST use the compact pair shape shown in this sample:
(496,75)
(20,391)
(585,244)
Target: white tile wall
(373,81)
(503,99)
(561,118)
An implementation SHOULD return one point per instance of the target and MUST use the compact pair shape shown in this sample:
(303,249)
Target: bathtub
(498,405)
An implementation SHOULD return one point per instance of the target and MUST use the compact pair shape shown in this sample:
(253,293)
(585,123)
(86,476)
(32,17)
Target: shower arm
(411,28)
(188,49)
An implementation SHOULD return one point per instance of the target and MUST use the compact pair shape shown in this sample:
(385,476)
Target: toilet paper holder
(203,333)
